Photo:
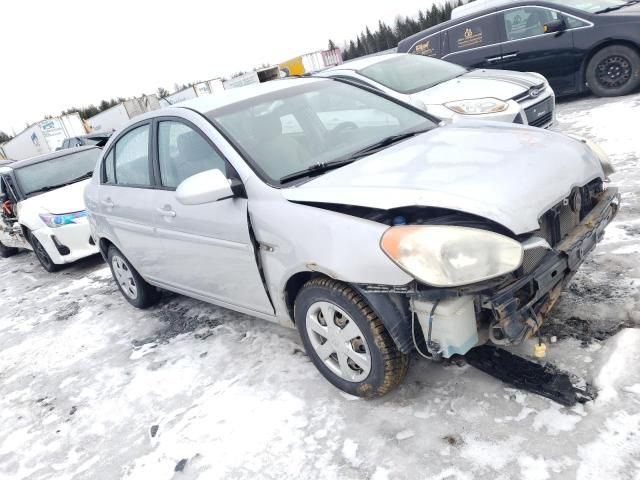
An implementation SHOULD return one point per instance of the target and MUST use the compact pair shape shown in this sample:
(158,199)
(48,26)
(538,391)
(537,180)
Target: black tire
(388,366)
(42,255)
(614,71)
(6,252)
(138,292)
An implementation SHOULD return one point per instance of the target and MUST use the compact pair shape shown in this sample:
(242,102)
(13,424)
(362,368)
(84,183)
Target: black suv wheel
(614,71)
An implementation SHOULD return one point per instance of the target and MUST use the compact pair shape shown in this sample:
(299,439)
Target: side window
(183,152)
(109,171)
(527,22)
(573,22)
(477,33)
(428,46)
(131,158)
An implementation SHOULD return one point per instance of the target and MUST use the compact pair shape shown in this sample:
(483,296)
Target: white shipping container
(113,118)
(43,137)
(216,85)
(250,78)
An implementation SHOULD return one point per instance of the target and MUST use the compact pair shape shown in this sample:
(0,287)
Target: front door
(528,49)
(207,249)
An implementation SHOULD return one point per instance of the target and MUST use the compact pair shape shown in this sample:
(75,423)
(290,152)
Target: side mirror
(204,187)
(556,26)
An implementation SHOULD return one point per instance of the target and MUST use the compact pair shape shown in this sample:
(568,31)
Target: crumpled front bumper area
(519,309)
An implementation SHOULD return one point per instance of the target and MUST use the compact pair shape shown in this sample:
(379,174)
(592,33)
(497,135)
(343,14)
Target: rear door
(207,251)
(474,43)
(528,49)
(126,195)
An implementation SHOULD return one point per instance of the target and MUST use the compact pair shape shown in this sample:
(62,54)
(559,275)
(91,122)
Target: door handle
(166,213)
(493,59)
(510,55)
(107,202)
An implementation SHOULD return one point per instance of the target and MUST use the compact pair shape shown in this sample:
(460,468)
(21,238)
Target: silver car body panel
(472,168)
(484,179)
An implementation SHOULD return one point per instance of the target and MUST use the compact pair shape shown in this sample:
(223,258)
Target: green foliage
(386,37)
(91,110)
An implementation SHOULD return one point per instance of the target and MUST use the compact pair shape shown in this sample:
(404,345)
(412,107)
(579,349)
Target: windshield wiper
(384,143)
(316,169)
(322,167)
(617,7)
(48,188)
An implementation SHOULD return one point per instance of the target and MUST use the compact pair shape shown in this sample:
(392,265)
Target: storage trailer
(114,117)
(311,62)
(43,137)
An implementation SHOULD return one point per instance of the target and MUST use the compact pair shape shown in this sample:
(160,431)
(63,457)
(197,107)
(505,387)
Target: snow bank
(618,371)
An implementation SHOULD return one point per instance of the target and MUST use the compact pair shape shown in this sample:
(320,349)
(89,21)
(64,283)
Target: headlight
(478,106)
(449,256)
(605,161)
(55,221)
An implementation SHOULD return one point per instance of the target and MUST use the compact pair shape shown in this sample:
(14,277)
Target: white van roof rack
(477,6)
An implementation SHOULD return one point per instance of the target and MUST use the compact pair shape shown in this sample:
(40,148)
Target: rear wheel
(7,251)
(346,341)
(42,255)
(135,289)
(614,71)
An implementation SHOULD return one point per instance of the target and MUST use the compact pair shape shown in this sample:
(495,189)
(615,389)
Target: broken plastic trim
(544,380)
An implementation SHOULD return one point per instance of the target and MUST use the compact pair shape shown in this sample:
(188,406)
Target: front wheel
(42,255)
(614,71)
(346,341)
(135,289)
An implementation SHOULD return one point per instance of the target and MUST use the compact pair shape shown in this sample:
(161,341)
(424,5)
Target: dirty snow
(91,388)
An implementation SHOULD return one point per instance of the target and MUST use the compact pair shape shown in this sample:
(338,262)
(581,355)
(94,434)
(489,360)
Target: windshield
(58,171)
(314,123)
(412,73)
(593,6)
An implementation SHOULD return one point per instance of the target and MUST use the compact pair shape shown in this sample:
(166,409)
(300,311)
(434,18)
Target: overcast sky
(56,55)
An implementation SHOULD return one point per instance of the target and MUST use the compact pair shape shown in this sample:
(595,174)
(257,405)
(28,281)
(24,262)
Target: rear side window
(428,46)
(473,34)
(527,22)
(183,152)
(131,159)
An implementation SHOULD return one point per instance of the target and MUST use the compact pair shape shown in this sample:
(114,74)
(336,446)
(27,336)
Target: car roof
(360,63)
(208,103)
(50,156)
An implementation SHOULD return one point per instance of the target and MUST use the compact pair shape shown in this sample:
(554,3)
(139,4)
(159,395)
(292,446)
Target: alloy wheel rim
(124,277)
(338,342)
(613,72)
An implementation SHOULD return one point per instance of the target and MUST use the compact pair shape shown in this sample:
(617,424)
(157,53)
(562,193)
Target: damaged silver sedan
(361,221)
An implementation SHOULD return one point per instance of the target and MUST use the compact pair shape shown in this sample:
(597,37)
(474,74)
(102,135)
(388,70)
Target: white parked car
(375,236)
(450,91)
(43,207)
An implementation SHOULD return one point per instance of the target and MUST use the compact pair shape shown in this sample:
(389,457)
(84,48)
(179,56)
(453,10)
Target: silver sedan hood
(500,84)
(508,174)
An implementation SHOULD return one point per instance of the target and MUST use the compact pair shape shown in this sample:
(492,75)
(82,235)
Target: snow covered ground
(91,388)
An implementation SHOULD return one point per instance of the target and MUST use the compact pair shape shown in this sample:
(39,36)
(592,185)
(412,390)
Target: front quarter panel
(300,238)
